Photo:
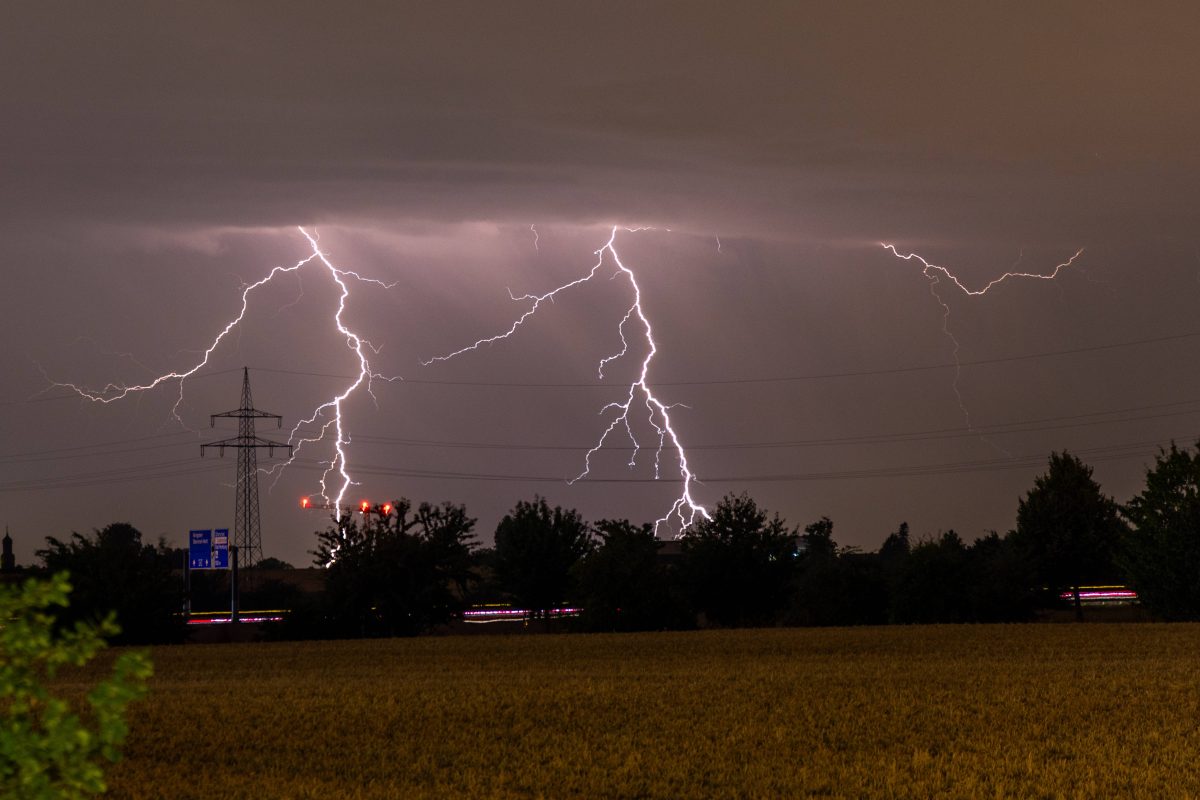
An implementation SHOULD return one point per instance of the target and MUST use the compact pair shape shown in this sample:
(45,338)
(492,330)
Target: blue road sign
(209,549)
(220,548)
(200,550)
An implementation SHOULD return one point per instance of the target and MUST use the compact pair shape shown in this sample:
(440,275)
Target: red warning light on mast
(305,502)
(364,506)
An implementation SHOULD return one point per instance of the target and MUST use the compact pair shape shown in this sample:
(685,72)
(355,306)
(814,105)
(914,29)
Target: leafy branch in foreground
(47,749)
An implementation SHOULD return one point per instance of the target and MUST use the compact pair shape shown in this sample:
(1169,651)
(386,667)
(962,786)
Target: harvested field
(989,711)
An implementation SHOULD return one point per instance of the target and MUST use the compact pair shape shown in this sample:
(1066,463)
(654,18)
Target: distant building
(7,562)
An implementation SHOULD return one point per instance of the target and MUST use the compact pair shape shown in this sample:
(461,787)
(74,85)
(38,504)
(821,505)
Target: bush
(403,571)
(624,586)
(738,565)
(47,750)
(114,570)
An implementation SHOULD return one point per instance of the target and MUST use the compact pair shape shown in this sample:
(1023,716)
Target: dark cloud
(236,114)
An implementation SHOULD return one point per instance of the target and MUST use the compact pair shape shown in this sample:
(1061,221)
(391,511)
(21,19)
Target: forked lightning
(684,510)
(934,274)
(326,415)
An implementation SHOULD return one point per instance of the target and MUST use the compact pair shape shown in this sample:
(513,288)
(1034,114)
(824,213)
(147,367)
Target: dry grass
(1022,711)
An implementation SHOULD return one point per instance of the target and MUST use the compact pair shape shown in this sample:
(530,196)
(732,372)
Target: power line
(177,468)
(34,458)
(1106,453)
(1035,425)
(936,434)
(707,382)
(110,475)
(90,446)
(769,379)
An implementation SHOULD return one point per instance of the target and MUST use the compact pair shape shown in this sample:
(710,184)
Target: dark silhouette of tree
(933,583)
(944,580)
(999,589)
(836,586)
(1161,555)
(738,565)
(485,587)
(273,563)
(536,549)
(113,570)
(892,558)
(817,541)
(397,574)
(1067,529)
(895,547)
(623,585)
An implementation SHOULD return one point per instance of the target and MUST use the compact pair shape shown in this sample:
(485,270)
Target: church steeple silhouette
(7,562)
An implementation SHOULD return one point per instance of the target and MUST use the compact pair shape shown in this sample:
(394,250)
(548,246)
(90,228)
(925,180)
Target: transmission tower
(247,530)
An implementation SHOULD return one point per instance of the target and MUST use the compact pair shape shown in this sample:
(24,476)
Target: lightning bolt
(536,249)
(930,271)
(326,416)
(684,509)
(935,273)
(331,410)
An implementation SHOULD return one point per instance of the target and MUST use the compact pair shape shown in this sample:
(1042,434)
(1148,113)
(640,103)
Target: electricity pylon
(247,529)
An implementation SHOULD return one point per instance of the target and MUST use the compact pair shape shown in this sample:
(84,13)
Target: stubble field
(989,711)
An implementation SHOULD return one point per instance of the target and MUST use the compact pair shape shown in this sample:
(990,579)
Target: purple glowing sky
(155,158)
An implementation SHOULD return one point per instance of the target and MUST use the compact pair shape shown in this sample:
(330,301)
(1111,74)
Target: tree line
(418,566)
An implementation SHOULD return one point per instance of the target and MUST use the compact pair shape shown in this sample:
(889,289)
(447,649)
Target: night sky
(156,157)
